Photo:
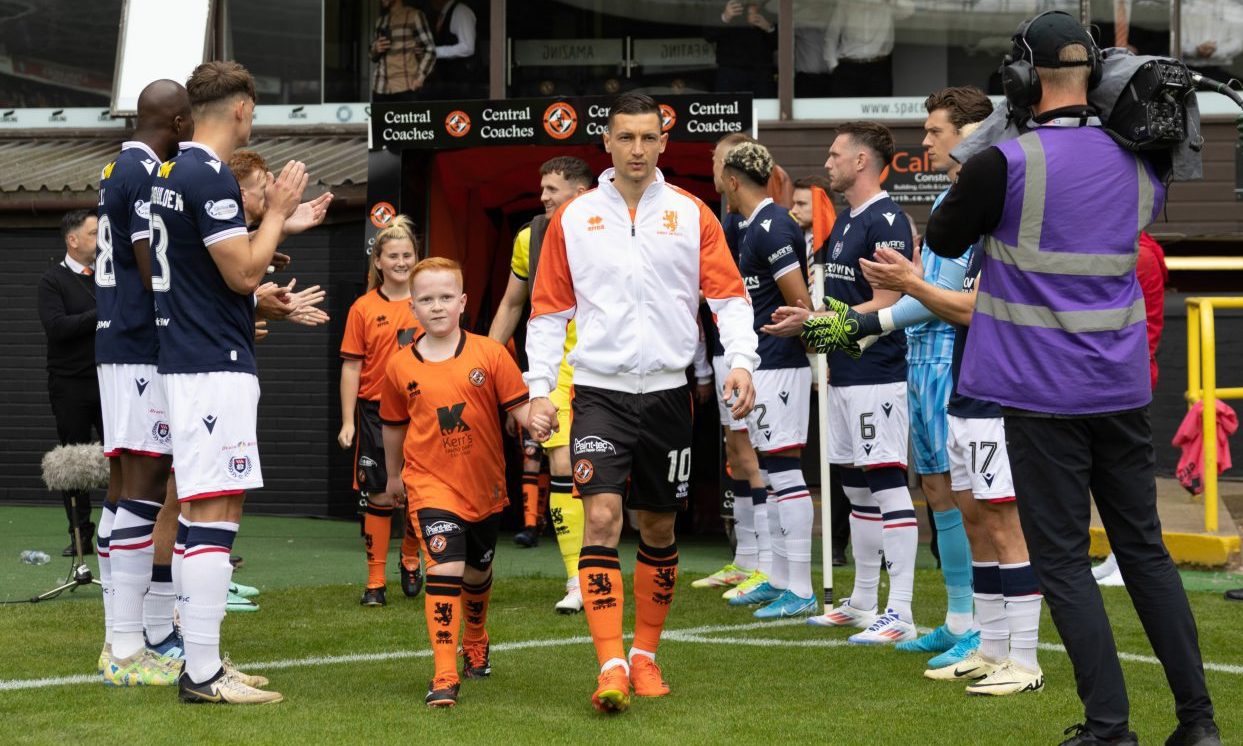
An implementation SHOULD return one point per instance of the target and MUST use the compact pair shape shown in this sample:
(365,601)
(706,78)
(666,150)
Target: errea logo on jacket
(595,223)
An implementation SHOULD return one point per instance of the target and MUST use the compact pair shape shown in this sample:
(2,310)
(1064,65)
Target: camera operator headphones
(1019,79)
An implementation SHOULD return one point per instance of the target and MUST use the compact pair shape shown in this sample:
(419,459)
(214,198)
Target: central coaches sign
(437,125)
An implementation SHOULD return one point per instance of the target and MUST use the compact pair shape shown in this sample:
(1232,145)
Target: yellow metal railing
(1202,387)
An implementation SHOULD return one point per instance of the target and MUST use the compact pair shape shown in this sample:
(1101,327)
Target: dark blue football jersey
(125,325)
(856,235)
(772,246)
(203,325)
(960,405)
(732,227)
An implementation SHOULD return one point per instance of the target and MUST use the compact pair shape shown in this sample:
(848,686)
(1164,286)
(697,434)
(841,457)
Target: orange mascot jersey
(375,328)
(453,452)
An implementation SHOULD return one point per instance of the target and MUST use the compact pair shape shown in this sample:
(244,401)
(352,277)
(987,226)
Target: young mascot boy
(449,384)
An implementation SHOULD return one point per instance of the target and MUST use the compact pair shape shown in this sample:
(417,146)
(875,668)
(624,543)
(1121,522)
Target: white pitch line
(692,635)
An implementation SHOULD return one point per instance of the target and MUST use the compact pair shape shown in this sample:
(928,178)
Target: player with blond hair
(443,449)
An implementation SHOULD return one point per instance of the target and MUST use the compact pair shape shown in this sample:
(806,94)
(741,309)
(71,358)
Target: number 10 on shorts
(679,465)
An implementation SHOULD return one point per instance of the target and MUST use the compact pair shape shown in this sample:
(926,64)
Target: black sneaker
(476,661)
(237,561)
(1234,594)
(411,580)
(839,560)
(374,597)
(441,693)
(1081,736)
(527,537)
(1200,733)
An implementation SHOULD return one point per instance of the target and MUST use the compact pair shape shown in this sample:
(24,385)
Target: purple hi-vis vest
(1059,323)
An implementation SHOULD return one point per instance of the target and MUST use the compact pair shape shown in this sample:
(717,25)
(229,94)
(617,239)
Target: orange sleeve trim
(553,290)
(718,274)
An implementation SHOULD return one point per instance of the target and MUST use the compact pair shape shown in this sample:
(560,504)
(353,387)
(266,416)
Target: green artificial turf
(733,680)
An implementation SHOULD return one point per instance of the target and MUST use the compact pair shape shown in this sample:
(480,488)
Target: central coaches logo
(240,466)
(457,123)
(560,120)
(593,444)
(668,117)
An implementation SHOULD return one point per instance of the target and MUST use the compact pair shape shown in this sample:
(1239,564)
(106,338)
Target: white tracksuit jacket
(633,285)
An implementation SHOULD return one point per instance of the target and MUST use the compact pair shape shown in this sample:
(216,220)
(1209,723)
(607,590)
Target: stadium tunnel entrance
(471,185)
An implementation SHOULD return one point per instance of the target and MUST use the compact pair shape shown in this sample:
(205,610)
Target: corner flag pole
(822,419)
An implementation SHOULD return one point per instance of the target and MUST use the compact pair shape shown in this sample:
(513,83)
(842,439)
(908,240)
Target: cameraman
(1058,339)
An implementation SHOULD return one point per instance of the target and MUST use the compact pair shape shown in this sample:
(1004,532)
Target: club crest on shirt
(837,247)
(477,377)
(670,222)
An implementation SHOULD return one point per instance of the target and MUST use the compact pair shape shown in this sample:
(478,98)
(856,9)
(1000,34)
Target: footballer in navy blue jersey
(206,268)
(137,531)
(772,259)
(125,330)
(204,325)
(857,234)
(772,246)
(868,415)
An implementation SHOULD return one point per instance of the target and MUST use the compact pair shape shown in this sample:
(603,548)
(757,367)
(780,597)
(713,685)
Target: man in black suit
(67,310)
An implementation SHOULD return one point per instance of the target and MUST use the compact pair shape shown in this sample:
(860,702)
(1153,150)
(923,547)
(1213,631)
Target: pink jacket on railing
(1190,438)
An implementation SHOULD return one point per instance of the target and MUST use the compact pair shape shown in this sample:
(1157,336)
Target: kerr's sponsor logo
(560,120)
(457,123)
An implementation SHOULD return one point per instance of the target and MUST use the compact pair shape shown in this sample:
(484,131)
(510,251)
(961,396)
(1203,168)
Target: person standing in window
(745,39)
(1212,32)
(457,61)
(858,45)
(403,50)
